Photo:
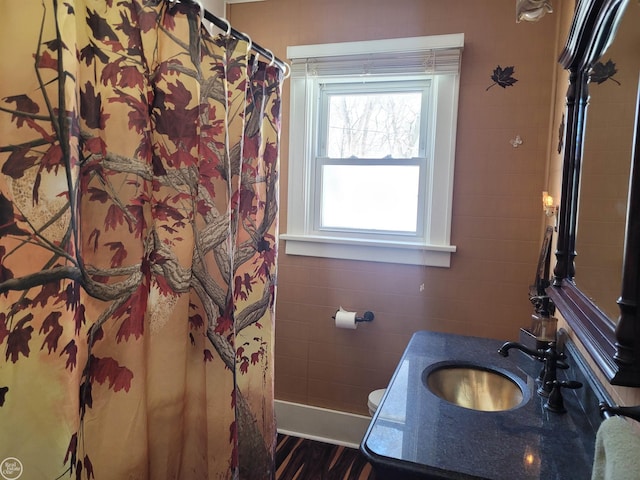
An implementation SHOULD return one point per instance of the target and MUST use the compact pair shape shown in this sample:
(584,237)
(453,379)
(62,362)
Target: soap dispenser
(543,323)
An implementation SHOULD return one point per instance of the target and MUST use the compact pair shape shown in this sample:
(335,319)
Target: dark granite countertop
(415,434)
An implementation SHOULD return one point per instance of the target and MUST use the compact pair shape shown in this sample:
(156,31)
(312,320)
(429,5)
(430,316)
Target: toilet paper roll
(346,319)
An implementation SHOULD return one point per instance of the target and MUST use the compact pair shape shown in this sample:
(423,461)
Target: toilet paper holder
(366,317)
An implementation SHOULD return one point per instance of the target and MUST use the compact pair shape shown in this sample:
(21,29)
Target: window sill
(369,250)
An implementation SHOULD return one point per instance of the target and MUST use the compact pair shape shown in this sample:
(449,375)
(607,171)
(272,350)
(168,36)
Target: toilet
(374,400)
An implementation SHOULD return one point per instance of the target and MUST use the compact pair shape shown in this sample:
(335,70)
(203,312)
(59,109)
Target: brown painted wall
(497,211)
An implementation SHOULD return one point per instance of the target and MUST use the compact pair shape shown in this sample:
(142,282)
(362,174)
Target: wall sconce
(550,210)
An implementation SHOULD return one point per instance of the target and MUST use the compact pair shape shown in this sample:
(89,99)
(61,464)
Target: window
(371,155)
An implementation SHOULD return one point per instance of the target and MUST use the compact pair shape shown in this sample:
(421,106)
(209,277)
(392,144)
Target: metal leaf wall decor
(503,77)
(561,135)
(601,72)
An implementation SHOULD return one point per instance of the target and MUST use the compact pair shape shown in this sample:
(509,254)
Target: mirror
(606,161)
(586,288)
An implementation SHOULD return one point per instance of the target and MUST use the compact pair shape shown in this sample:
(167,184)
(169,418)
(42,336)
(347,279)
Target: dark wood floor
(301,459)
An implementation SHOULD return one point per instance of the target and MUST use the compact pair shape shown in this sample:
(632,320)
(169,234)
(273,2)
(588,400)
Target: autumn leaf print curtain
(138,224)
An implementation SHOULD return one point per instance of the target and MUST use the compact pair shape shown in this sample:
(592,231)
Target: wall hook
(516,142)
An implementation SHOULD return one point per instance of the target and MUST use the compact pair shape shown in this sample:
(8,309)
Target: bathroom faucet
(550,386)
(504,350)
(552,361)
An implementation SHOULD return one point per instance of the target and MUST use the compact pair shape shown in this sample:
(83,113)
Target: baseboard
(324,425)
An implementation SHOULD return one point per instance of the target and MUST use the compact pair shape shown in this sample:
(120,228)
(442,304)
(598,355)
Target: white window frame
(434,59)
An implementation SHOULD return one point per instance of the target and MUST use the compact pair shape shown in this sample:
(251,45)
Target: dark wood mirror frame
(615,348)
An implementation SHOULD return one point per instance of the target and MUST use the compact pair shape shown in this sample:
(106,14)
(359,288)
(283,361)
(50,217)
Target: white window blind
(438,54)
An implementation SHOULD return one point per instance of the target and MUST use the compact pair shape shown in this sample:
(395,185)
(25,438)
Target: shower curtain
(138,224)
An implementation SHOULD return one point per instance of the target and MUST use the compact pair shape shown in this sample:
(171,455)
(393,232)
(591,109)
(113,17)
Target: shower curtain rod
(224,24)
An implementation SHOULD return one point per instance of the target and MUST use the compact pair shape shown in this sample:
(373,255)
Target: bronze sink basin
(475,387)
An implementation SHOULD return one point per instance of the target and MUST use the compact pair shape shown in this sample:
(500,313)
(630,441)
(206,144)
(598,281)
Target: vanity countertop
(422,436)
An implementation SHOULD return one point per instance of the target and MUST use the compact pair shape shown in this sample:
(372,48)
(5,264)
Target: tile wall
(497,212)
